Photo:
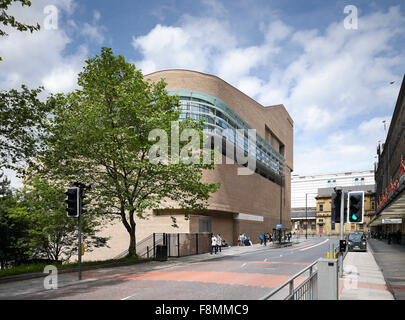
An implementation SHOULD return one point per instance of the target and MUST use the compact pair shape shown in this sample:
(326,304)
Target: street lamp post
(306,217)
(306,213)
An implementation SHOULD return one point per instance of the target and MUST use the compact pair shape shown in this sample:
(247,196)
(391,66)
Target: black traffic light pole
(79,247)
(81,187)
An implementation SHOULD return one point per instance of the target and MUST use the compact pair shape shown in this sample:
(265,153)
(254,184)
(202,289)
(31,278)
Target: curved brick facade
(247,204)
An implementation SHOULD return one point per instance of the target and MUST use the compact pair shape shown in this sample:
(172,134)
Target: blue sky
(334,82)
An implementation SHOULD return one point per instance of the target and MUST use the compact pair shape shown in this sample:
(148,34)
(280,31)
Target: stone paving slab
(391,260)
(362,279)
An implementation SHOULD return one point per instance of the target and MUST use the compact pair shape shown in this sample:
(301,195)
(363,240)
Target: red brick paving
(248,279)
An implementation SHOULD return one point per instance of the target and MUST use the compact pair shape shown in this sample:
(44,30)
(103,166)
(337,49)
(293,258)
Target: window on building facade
(219,117)
(204,225)
(361,225)
(313,226)
(372,205)
(333,226)
(320,207)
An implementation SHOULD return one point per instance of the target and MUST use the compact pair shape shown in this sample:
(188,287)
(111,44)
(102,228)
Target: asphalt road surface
(247,276)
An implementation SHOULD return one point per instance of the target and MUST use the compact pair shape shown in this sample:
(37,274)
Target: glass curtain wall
(219,116)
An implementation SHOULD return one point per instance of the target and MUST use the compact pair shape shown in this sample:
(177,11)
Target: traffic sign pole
(79,248)
(342,229)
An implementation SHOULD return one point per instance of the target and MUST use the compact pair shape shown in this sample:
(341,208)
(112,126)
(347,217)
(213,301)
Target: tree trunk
(132,244)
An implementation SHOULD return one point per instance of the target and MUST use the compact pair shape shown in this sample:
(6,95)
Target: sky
(331,64)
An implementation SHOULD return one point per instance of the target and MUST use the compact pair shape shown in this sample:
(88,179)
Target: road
(246,276)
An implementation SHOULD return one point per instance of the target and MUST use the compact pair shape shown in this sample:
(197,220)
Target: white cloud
(333,82)
(193,45)
(93,32)
(38,58)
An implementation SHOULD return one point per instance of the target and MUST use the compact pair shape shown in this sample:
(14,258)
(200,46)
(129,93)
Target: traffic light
(336,205)
(73,202)
(355,207)
(342,246)
(83,203)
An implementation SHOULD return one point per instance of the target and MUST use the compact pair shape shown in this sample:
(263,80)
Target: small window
(321,207)
(333,226)
(204,225)
(313,226)
(372,205)
(361,225)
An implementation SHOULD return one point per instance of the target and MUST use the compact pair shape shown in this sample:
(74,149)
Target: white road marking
(129,296)
(265,260)
(315,245)
(243,265)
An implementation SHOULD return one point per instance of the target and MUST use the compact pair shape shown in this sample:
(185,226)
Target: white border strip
(250,217)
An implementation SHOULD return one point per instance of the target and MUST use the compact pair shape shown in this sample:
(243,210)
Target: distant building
(390,174)
(324,225)
(304,190)
(250,204)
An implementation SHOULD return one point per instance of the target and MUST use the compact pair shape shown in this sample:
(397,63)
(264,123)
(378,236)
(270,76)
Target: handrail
(265,297)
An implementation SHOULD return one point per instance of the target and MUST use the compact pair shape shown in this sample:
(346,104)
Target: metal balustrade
(307,290)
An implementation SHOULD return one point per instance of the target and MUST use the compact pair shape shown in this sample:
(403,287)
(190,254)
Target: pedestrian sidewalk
(391,260)
(362,278)
(232,250)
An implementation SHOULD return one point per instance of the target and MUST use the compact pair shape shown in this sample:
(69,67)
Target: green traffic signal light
(356,206)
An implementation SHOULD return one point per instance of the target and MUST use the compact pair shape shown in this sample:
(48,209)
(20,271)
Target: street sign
(392,221)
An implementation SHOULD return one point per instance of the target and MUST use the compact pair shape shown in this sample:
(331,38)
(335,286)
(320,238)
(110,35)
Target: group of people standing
(265,237)
(394,237)
(216,243)
(243,240)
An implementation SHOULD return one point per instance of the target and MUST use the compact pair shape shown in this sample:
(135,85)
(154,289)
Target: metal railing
(307,290)
(178,245)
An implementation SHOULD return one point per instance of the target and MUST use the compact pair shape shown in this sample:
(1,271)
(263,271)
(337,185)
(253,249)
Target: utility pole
(306,217)
(342,226)
(81,187)
(79,247)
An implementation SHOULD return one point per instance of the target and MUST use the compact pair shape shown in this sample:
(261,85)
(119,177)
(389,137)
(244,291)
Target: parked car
(356,241)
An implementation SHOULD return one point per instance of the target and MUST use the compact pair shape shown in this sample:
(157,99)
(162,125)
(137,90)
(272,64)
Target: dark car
(356,241)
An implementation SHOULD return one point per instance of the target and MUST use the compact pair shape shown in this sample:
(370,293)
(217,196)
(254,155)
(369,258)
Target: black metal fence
(182,244)
(178,244)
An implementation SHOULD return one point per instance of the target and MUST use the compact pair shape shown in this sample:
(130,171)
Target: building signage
(392,221)
(279,226)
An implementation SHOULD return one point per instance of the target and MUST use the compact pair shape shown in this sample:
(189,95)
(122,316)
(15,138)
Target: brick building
(250,204)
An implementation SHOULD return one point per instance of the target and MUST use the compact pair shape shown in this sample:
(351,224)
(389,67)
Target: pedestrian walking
(213,244)
(261,239)
(219,243)
(264,239)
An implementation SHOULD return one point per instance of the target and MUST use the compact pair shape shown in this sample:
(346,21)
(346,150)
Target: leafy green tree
(51,234)
(12,247)
(99,136)
(22,115)
(23,122)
